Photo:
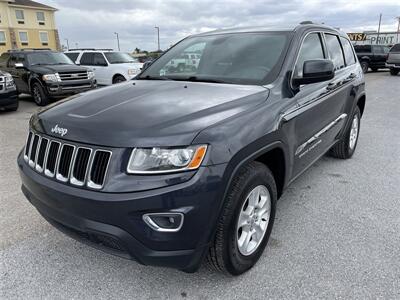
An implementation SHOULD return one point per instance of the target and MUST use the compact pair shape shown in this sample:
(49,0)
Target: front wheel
(39,96)
(118,79)
(345,148)
(364,66)
(246,221)
(394,71)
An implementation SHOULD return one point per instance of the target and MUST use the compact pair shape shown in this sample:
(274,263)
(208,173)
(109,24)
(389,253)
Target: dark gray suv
(184,165)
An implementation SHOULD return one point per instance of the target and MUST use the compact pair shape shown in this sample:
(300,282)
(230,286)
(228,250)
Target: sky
(92,23)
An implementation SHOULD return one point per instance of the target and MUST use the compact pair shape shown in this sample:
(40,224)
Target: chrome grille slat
(67,163)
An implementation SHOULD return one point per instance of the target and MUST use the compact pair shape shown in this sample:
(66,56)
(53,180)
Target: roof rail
(306,23)
(89,49)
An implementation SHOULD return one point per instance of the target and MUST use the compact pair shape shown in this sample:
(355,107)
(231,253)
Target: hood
(50,69)
(145,113)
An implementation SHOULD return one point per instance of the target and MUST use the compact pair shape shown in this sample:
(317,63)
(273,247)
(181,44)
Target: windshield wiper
(148,77)
(199,79)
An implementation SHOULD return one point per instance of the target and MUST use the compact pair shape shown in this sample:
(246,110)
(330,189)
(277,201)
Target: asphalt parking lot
(337,232)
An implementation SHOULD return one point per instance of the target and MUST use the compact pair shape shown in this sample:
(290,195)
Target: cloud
(92,23)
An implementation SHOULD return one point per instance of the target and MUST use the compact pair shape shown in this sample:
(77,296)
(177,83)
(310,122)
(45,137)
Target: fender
(365,58)
(35,78)
(232,169)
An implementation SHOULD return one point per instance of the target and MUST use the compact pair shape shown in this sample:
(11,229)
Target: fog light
(164,222)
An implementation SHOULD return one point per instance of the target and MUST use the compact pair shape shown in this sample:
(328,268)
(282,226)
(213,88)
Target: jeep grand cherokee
(174,168)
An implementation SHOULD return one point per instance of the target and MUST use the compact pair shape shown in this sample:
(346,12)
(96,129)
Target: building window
(23,38)
(40,17)
(2,38)
(44,38)
(19,14)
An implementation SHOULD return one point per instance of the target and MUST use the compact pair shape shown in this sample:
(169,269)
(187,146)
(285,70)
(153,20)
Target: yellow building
(27,24)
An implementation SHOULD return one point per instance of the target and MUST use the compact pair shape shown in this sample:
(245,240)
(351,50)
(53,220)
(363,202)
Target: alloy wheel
(253,220)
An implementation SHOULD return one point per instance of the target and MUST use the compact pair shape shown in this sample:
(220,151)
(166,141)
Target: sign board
(384,38)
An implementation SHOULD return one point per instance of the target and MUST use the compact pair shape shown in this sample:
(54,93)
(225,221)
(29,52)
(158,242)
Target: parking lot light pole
(116,33)
(158,37)
(67,43)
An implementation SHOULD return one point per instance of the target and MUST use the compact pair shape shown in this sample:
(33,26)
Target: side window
(310,49)
(348,51)
(73,56)
(99,60)
(12,61)
(87,59)
(335,51)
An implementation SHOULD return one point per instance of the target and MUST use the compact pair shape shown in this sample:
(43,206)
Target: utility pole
(116,33)
(379,28)
(67,43)
(398,29)
(158,37)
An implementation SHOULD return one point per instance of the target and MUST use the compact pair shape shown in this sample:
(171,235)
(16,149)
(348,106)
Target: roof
(30,3)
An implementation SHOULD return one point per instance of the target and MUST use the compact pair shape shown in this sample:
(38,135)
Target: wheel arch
(361,103)
(116,75)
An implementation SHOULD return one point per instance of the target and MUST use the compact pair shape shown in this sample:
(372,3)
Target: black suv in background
(46,74)
(178,166)
(393,61)
(372,56)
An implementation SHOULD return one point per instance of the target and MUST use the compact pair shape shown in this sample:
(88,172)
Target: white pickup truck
(109,66)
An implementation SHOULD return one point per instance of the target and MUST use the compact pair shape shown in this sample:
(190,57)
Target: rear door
(379,56)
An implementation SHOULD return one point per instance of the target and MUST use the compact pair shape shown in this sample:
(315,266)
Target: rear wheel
(394,71)
(364,66)
(39,96)
(345,148)
(118,79)
(246,221)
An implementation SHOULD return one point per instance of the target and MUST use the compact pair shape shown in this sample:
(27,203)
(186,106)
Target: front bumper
(113,221)
(8,98)
(62,89)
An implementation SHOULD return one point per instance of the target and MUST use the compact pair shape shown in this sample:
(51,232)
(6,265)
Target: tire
(39,96)
(364,66)
(118,79)
(346,147)
(225,254)
(394,71)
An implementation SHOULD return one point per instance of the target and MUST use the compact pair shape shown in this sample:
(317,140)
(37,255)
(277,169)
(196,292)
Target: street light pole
(67,43)
(158,37)
(116,33)
(398,29)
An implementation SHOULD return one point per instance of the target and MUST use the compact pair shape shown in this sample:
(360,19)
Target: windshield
(239,58)
(48,58)
(119,58)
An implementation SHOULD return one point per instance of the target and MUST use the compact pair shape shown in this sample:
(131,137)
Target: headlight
(9,81)
(159,160)
(90,74)
(51,77)
(133,71)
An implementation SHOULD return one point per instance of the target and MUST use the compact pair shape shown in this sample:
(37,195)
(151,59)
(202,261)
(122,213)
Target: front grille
(71,76)
(66,162)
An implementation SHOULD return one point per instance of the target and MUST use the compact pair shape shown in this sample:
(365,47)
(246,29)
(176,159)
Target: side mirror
(19,66)
(316,70)
(147,64)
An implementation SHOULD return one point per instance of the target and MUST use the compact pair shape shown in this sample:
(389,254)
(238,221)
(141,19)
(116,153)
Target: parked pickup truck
(372,56)
(46,74)
(173,169)
(393,61)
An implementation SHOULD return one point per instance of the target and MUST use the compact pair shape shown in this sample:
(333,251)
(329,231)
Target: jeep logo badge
(59,130)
